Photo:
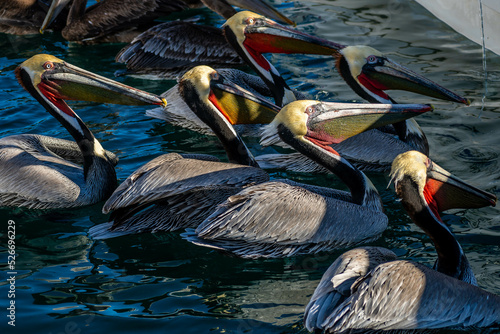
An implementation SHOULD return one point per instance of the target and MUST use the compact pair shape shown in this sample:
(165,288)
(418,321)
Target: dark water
(67,283)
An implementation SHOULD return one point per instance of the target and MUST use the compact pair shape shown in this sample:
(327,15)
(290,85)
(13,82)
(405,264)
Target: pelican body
(123,20)
(367,71)
(23,17)
(40,172)
(369,289)
(173,191)
(282,218)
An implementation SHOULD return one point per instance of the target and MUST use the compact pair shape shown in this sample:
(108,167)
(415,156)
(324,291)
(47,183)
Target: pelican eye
(250,20)
(371,59)
(48,65)
(215,75)
(309,110)
(428,163)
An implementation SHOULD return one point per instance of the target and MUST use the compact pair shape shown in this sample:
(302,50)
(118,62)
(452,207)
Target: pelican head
(256,34)
(369,73)
(220,103)
(251,35)
(326,123)
(217,95)
(261,6)
(52,80)
(440,189)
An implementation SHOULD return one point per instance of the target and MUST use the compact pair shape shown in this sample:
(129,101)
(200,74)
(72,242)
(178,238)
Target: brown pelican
(367,288)
(36,171)
(366,70)
(20,17)
(172,191)
(284,218)
(121,21)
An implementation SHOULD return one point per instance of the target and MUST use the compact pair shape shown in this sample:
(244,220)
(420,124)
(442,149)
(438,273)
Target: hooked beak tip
(164,102)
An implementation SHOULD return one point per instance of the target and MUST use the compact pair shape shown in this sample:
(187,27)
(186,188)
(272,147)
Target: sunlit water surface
(68,283)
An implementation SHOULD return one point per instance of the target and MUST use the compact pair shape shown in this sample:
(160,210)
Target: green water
(67,283)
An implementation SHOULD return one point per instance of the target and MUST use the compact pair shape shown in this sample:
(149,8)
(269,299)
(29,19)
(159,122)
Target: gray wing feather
(171,174)
(369,151)
(172,46)
(335,285)
(278,218)
(406,295)
(45,181)
(66,149)
(111,16)
(178,113)
(172,213)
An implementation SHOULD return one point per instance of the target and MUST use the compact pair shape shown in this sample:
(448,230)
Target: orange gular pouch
(442,196)
(434,194)
(50,91)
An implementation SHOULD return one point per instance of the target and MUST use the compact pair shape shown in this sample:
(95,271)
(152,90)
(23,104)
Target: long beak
(392,75)
(54,10)
(452,193)
(69,82)
(267,36)
(263,8)
(334,122)
(240,106)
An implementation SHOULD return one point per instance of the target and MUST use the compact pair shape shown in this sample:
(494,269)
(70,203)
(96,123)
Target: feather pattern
(48,177)
(26,17)
(335,285)
(175,47)
(292,219)
(178,175)
(372,150)
(398,295)
(172,192)
(112,16)
(406,295)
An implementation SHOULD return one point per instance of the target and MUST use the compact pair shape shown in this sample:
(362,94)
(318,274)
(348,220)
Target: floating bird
(38,172)
(246,117)
(174,191)
(284,218)
(122,20)
(22,17)
(367,288)
(170,49)
(366,70)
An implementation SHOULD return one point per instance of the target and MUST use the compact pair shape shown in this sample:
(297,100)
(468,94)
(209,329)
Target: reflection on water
(67,283)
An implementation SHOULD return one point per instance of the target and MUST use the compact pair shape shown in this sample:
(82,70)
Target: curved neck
(408,131)
(362,190)
(451,259)
(411,133)
(92,151)
(345,73)
(236,150)
(269,74)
